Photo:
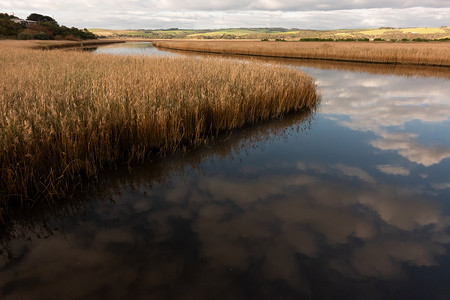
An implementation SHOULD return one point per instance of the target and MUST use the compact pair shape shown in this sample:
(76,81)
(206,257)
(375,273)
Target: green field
(384,33)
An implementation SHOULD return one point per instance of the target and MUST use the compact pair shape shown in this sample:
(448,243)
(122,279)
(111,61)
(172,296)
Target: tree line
(43,28)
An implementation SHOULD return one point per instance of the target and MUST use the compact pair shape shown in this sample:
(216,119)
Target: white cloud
(388,105)
(393,170)
(442,186)
(220,14)
(407,146)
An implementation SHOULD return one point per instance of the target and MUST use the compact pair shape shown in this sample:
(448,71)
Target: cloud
(216,5)
(223,14)
(379,258)
(213,229)
(393,170)
(407,146)
(441,186)
(384,106)
(340,170)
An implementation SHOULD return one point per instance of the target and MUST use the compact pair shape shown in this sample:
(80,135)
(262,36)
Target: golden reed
(435,54)
(65,116)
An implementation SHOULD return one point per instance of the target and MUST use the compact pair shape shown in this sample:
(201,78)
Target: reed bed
(66,116)
(435,54)
(385,69)
(54,44)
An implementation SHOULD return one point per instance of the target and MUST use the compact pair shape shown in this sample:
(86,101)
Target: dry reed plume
(65,116)
(436,54)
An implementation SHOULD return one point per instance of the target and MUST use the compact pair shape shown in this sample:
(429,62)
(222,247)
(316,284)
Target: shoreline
(327,51)
(68,118)
(52,44)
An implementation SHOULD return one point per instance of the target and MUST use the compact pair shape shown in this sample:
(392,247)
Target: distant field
(385,33)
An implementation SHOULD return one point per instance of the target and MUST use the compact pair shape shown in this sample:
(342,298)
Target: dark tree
(41,18)
(8,28)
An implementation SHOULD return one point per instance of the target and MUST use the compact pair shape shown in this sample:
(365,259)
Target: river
(348,202)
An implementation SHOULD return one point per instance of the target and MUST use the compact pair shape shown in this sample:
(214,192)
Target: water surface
(132,48)
(350,202)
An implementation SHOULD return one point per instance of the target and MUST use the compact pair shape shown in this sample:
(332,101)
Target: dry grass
(53,44)
(66,116)
(386,69)
(437,54)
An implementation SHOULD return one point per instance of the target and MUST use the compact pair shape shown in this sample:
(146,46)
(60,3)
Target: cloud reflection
(253,229)
(386,106)
(231,225)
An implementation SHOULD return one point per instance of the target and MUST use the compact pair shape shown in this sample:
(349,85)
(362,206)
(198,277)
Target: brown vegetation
(386,69)
(45,219)
(66,116)
(437,54)
(38,44)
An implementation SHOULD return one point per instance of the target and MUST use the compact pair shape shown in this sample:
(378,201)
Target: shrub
(346,40)
(9,28)
(70,38)
(29,34)
(316,40)
(420,40)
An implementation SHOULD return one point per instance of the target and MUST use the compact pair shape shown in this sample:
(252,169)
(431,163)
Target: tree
(8,28)
(41,18)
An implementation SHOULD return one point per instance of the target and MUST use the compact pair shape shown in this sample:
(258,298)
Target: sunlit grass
(65,116)
(423,30)
(401,53)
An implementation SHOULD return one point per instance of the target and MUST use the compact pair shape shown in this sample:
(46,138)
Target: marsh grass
(386,69)
(46,219)
(436,54)
(66,116)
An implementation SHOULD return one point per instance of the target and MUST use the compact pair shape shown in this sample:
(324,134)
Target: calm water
(132,48)
(351,202)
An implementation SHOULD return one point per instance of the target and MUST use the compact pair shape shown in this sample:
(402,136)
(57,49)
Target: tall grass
(45,219)
(65,116)
(437,54)
(407,70)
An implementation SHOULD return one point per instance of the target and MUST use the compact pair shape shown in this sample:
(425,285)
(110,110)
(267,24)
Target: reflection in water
(384,69)
(389,107)
(132,48)
(353,205)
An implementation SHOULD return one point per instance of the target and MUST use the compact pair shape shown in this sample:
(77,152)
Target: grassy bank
(66,116)
(436,54)
(38,44)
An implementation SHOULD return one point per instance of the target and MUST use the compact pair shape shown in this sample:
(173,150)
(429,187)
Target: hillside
(383,33)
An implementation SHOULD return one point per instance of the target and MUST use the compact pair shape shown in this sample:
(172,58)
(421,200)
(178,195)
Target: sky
(213,14)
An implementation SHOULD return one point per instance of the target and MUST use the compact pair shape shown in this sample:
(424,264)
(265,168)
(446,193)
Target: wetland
(349,200)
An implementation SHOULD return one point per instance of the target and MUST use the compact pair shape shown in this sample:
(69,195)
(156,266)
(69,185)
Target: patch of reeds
(65,116)
(386,69)
(436,54)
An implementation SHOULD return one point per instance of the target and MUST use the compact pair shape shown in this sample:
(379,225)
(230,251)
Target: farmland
(385,33)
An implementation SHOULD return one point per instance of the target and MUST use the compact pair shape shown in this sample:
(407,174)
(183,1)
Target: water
(131,48)
(350,202)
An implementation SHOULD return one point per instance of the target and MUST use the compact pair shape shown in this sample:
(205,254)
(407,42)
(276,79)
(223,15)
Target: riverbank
(52,44)
(432,54)
(64,118)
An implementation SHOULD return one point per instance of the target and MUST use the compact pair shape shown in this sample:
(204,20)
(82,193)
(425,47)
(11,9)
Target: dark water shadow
(49,218)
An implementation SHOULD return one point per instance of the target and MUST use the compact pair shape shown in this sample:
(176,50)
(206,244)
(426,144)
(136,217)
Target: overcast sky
(312,14)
